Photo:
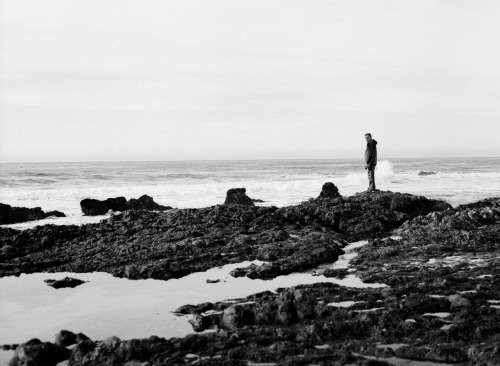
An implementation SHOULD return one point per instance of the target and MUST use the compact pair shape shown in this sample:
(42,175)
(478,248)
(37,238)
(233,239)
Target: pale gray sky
(84,80)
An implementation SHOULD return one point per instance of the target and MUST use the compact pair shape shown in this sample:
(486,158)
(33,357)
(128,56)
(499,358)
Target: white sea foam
(201,184)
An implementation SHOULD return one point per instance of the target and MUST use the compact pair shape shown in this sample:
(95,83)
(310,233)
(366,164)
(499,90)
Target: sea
(203,183)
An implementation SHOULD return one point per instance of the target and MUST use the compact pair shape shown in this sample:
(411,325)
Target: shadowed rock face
(237,196)
(92,207)
(14,215)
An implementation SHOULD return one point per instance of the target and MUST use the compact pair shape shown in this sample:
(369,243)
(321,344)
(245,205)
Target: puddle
(404,362)
(343,304)
(322,346)
(343,261)
(106,305)
(438,315)
(368,310)
(393,346)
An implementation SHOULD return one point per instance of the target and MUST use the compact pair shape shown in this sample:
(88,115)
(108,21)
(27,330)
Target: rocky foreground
(441,303)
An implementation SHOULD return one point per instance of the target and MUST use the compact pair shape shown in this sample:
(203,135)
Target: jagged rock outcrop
(237,196)
(93,207)
(14,215)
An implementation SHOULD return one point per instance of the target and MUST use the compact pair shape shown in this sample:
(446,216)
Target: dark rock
(13,215)
(36,353)
(93,207)
(238,315)
(237,196)
(329,190)
(146,202)
(426,173)
(65,338)
(458,301)
(64,283)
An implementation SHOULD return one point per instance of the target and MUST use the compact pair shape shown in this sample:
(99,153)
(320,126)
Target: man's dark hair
(368,134)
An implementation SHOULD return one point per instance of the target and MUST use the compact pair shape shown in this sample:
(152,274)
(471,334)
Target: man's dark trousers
(371,177)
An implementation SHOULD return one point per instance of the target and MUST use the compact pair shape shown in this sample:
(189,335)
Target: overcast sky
(206,79)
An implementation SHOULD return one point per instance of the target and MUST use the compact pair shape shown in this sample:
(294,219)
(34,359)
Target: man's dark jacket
(371,153)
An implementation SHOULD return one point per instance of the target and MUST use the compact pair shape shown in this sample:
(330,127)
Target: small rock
(329,190)
(65,282)
(458,301)
(35,353)
(65,338)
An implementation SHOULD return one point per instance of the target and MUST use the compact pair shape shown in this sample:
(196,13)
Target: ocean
(194,184)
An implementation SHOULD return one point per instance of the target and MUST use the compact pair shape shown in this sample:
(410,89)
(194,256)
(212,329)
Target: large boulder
(237,196)
(329,190)
(36,353)
(93,207)
(14,215)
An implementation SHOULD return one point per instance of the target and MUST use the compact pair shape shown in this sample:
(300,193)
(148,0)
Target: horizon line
(269,159)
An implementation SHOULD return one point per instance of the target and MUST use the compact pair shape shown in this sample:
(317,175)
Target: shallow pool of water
(106,305)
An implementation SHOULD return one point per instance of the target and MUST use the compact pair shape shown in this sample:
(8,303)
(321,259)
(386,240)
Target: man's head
(368,137)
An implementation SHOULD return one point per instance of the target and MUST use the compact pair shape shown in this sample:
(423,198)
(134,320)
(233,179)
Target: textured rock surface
(92,207)
(175,243)
(13,215)
(441,306)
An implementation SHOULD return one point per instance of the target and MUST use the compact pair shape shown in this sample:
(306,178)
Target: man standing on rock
(370,160)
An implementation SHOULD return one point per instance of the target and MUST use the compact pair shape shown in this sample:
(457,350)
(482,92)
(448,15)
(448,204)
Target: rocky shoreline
(441,303)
